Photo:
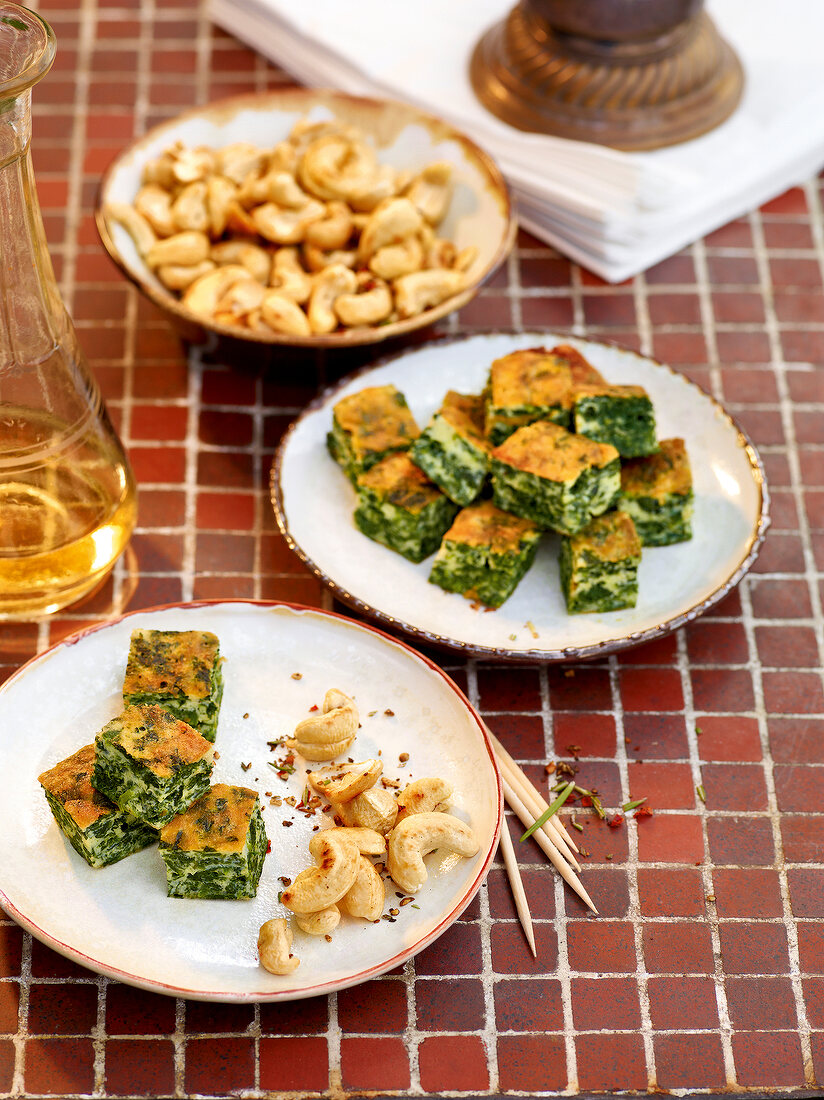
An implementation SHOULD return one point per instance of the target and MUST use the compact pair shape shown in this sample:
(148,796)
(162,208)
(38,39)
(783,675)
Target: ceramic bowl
(480,212)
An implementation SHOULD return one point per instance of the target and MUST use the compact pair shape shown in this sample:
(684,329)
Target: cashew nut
(333,230)
(192,165)
(319,887)
(190,247)
(368,308)
(336,166)
(288,278)
(179,276)
(394,260)
(203,295)
(423,289)
(318,260)
(241,298)
(221,193)
(285,225)
(238,160)
(135,225)
(321,923)
(417,836)
(329,285)
(274,943)
(431,191)
(374,809)
(343,783)
(390,223)
(189,209)
(423,796)
(155,204)
(324,736)
(284,315)
(366,895)
(367,841)
(251,256)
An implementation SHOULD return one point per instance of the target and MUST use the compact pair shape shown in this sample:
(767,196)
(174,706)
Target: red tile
(674,309)
(679,347)
(225,511)
(611,1062)
(9,1005)
(714,643)
(803,838)
(670,838)
(592,734)
(539,886)
(747,892)
(793,692)
(304,1017)
(678,948)
(532,1063)
(144,1067)
(606,883)
(509,689)
(66,1009)
(761,1004)
(158,553)
(740,840)
(7,1056)
(374,1006)
(450,1063)
(731,738)
(161,508)
(765,1060)
(533,1005)
(738,307)
(655,736)
(294,1064)
(579,689)
(722,689)
(677,1003)
(661,651)
(158,465)
(166,422)
(796,740)
(674,269)
(227,429)
(754,948)
(610,950)
(797,788)
(226,469)
(598,843)
(210,1018)
(813,989)
(689,1061)
(11,947)
(216,1066)
(811,946)
(665,785)
(671,892)
(59,1066)
(457,951)
(450,1005)
(645,689)
(612,309)
(511,953)
(608,1004)
(131,1011)
(806,891)
(538,271)
(734,786)
(224,553)
(784,646)
(542,312)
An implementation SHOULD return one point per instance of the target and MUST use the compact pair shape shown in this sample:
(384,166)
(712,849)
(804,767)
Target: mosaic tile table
(705,970)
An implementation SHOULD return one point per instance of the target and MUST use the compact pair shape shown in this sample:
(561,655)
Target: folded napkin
(615,213)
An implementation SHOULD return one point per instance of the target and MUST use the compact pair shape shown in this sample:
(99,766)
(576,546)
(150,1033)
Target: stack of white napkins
(615,213)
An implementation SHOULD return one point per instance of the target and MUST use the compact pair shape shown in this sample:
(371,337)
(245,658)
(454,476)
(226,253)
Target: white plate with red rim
(280,659)
(314,503)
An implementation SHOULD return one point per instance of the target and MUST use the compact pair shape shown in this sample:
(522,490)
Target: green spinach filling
(206,873)
(454,464)
(109,839)
(660,522)
(478,572)
(414,534)
(628,423)
(591,584)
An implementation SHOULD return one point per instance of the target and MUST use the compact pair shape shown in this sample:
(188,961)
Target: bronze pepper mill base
(632,74)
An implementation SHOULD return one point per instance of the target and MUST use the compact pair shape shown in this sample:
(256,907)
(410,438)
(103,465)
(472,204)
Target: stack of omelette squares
(147,776)
(548,446)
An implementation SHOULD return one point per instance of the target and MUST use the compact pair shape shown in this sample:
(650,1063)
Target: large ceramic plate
(118,920)
(314,502)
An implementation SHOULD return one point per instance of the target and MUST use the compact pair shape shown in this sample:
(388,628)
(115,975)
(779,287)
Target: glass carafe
(67,494)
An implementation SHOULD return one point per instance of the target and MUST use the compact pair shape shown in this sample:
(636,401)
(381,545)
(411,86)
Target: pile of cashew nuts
(305,238)
(400,829)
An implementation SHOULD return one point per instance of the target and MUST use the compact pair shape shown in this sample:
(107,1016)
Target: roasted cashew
(333,230)
(374,809)
(179,276)
(274,943)
(366,895)
(189,209)
(317,260)
(431,191)
(155,204)
(288,278)
(391,222)
(329,285)
(284,315)
(192,165)
(238,160)
(423,289)
(321,923)
(368,308)
(321,736)
(424,796)
(275,186)
(415,837)
(369,842)
(135,225)
(189,248)
(319,887)
(255,259)
(284,225)
(344,782)
(242,298)
(394,260)
(221,193)
(203,295)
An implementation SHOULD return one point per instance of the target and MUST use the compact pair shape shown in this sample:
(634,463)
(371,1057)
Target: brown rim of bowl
(350,337)
(570,653)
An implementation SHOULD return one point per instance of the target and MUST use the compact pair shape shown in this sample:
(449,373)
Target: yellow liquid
(67,510)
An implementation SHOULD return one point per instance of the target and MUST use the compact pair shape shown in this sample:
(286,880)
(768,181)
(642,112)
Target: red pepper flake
(389,713)
(286,824)
(586,800)
(268,844)
(643,811)
(616,821)
(549,768)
